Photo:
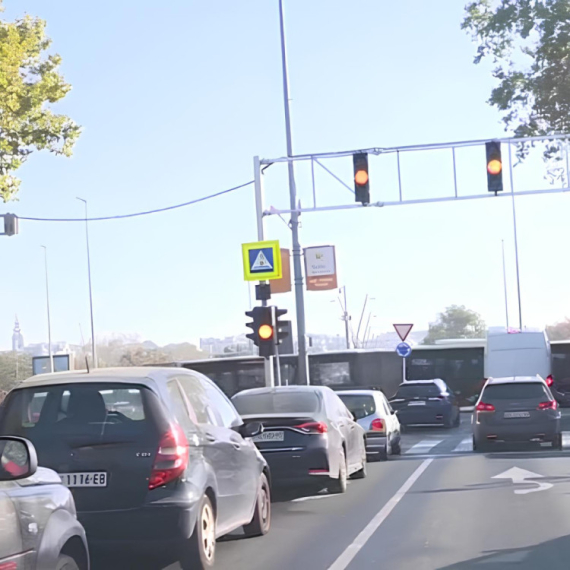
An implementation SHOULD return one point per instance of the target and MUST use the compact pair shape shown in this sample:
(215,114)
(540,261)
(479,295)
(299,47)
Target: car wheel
(65,562)
(261,520)
(361,473)
(458,420)
(201,548)
(339,485)
(557,443)
(396,449)
(384,452)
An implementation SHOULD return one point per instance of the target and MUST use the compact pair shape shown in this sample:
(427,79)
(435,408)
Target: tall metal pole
(346,318)
(516,237)
(93,343)
(258,178)
(360,322)
(302,368)
(505,285)
(51,369)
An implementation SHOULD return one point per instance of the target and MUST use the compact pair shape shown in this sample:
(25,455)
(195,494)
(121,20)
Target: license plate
(509,415)
(75,480)
(416,403)
(270,436)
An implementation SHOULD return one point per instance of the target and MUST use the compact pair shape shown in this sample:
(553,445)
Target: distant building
(17,337)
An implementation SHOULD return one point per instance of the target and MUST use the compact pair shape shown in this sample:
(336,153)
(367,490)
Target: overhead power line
(136,214)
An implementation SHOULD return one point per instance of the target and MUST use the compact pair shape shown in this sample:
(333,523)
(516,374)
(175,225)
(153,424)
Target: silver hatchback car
(516,410)
(373,412)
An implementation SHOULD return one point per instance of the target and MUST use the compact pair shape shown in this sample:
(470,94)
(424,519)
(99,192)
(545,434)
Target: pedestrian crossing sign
(261,261)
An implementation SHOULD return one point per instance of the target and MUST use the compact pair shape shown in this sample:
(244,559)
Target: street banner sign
(261,261)
(320,268)
(403,331)
(404,350)
(283,285)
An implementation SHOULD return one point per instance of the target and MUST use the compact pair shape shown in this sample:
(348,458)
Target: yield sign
(403,331)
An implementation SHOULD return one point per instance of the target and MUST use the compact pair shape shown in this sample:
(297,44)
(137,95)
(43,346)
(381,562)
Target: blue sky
(176,98)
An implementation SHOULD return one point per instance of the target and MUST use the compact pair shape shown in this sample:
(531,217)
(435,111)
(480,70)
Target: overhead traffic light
(263,327)
(10,224)
(361,178)
(494,167)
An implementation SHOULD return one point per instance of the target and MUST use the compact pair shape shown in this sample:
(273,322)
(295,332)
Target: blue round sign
(404,350)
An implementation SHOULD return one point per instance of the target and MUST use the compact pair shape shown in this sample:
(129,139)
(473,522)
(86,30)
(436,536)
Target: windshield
(277,403)
(418,391)
(515,391)
(359,406)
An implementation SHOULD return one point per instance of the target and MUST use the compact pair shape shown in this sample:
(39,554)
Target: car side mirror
(18,458)
(251,429)
(393,412)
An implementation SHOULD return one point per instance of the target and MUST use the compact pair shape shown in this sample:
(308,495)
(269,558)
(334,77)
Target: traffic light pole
(267,362)
(302,368)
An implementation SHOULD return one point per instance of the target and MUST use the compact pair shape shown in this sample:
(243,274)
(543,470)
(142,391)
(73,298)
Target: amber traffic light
(361,178)
(494,167)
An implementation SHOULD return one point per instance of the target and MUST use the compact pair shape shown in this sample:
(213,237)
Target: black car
(426,402)
(157,459)
(309,437)
(39,527)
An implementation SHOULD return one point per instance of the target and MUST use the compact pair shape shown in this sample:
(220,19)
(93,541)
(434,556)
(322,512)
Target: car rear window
(418,391)
(76,409)
(277,403)
(359,405)
(515,391)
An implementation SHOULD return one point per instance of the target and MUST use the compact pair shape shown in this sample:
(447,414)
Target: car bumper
(521,433)
(296,466)
(146,527)
(375,444)
(424,416)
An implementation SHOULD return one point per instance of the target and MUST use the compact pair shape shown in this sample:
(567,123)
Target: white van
(517,353)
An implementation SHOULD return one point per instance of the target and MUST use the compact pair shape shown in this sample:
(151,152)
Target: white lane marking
(353,549)
(313,498)
(518,475)
(465,445)
(423,446)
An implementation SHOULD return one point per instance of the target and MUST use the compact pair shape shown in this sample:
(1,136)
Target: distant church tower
(17,337)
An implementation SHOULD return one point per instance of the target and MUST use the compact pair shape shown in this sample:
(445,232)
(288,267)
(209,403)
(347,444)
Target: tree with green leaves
(456,322)
(529,42)
(14,367)
(29,83)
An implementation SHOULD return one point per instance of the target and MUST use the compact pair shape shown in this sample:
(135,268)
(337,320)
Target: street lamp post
(51,369)
(93,343)
(302,368)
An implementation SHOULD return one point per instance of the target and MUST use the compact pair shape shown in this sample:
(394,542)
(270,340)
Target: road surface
(437,507)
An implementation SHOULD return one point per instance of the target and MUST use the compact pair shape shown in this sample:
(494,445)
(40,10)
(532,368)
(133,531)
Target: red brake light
(8,566)
(551,405)
(313,427)
(549,380)
(377,425)
(482,407)
(171,458)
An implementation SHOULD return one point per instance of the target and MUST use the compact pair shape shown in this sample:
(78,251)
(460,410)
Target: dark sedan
(426,402)
(309,435)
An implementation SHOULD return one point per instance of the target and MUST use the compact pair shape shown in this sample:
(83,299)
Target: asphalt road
(437,507)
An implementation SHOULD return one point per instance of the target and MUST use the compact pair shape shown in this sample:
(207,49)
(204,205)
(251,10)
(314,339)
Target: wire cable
(136,214)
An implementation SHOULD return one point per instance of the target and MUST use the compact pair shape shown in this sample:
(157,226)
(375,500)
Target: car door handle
(210,438)
(236,445)
(352,426)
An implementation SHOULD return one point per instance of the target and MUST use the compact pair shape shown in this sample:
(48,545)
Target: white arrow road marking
(519,475)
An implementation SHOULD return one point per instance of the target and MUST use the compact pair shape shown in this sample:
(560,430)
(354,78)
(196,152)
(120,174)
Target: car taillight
(482,407)
(313,427)
(8,566)
(549,380)
(377,425)
(551,405)
(171,458)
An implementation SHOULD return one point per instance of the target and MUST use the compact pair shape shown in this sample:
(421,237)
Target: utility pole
(505,285)
(346,319)
(516,238)
(302,368)
(93,343)
(51,368)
